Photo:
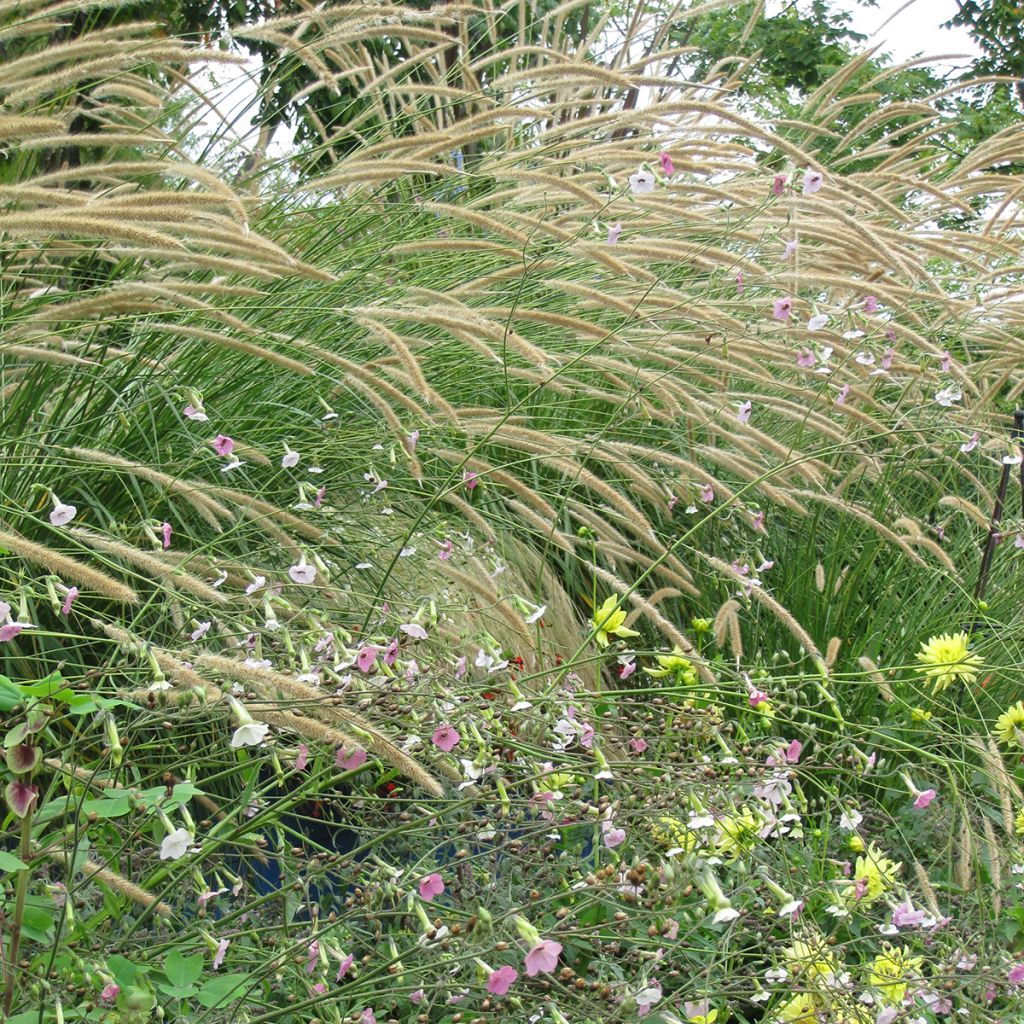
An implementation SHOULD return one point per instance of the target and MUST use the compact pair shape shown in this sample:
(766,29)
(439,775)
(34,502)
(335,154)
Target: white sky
(914,29)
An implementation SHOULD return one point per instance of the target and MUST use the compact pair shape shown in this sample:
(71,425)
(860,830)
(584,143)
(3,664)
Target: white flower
(948,395)
(302,573)
(853,335)
(290,459)
(62,514)
(791,908)
(259,581)
(536,615)
(865,358)
(642,182)
(776,974)
(817,322)
(850,819)
(1013,460)
(725,915)
(252,734)
(201,630)
(176,845)
(233,464)
(837,911)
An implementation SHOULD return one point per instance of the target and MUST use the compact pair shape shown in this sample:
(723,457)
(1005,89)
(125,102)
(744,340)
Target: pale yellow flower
(1010,725)
(891,970)
(873,876)
(946,659)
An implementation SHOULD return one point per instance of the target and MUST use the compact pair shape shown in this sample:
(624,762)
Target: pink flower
(445,738)
(469,478)
(743,415)
(971,443)
(779,184)
(805,358)
(790,249)
(312,955)
(352,761)
(10,631)
(200,631)
(613,233)
(739,283)
(366,658)
(319,499)
(627,669)
(870,304)
(416,997)
(195,413)
(431,886)
(109,993)
(368,1017)
(343,968)
(844,392)
(446,551)
(793,752)
(69,600)
(303,757)
(461,667)
(890,334)
(1016,975)
(414,629)
(888,356)
(924,799)
(666,164)
(223,445)
(543,957)
(707,493)
(944,362)
(412,440)
(812,181)
(501,980)
(888,1015)
(613,836)
(638,744)
(302,573)
(758,522)
(782,308)
(391,653)
(165,529)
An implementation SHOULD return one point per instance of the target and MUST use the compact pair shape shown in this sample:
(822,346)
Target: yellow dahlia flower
(946,659)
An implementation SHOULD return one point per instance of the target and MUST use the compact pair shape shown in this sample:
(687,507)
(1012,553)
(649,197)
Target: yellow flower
(920,715)
(801,1009)
(945,659)
(674,664)
(1019,823)
(812,959)
(873,876)
(1010,724)
(671,832)
(608,621)
(891,971)
(738,833)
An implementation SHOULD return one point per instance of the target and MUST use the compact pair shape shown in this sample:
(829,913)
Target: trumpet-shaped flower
(608,621)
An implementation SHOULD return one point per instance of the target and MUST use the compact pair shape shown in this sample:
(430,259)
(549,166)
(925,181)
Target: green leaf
(181,970)
(10,694)
(180,794)
(8,862)
(222,990)
(122,970)
(177,991)
(109,806)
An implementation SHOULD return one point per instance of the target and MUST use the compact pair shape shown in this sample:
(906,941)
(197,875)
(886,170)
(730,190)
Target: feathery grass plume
(832,652)
(727,625)
(927,890)
(94,872)
(150,564)
(1006,789)
(876,676)
(69,569)
(963,870)
(269,684)
(994,850)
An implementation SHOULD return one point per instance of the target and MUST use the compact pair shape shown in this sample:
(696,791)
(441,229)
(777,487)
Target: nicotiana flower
(195,412)
(176,845)
(166,530)
(69,600)
(431,886)
(850,819)
(290,459)
(817,322)
(366,658)
(666,163)
(613,233)
(779,184)
(642,182)
(501,980)
(812,181)
(948,395)
(608,621)
(445,737)
(218,956)
(870,304)
(223,445)
(543,957)
(250,735)
(301,572)
(782,308)
(789,249)
(62,514)
(743,415)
